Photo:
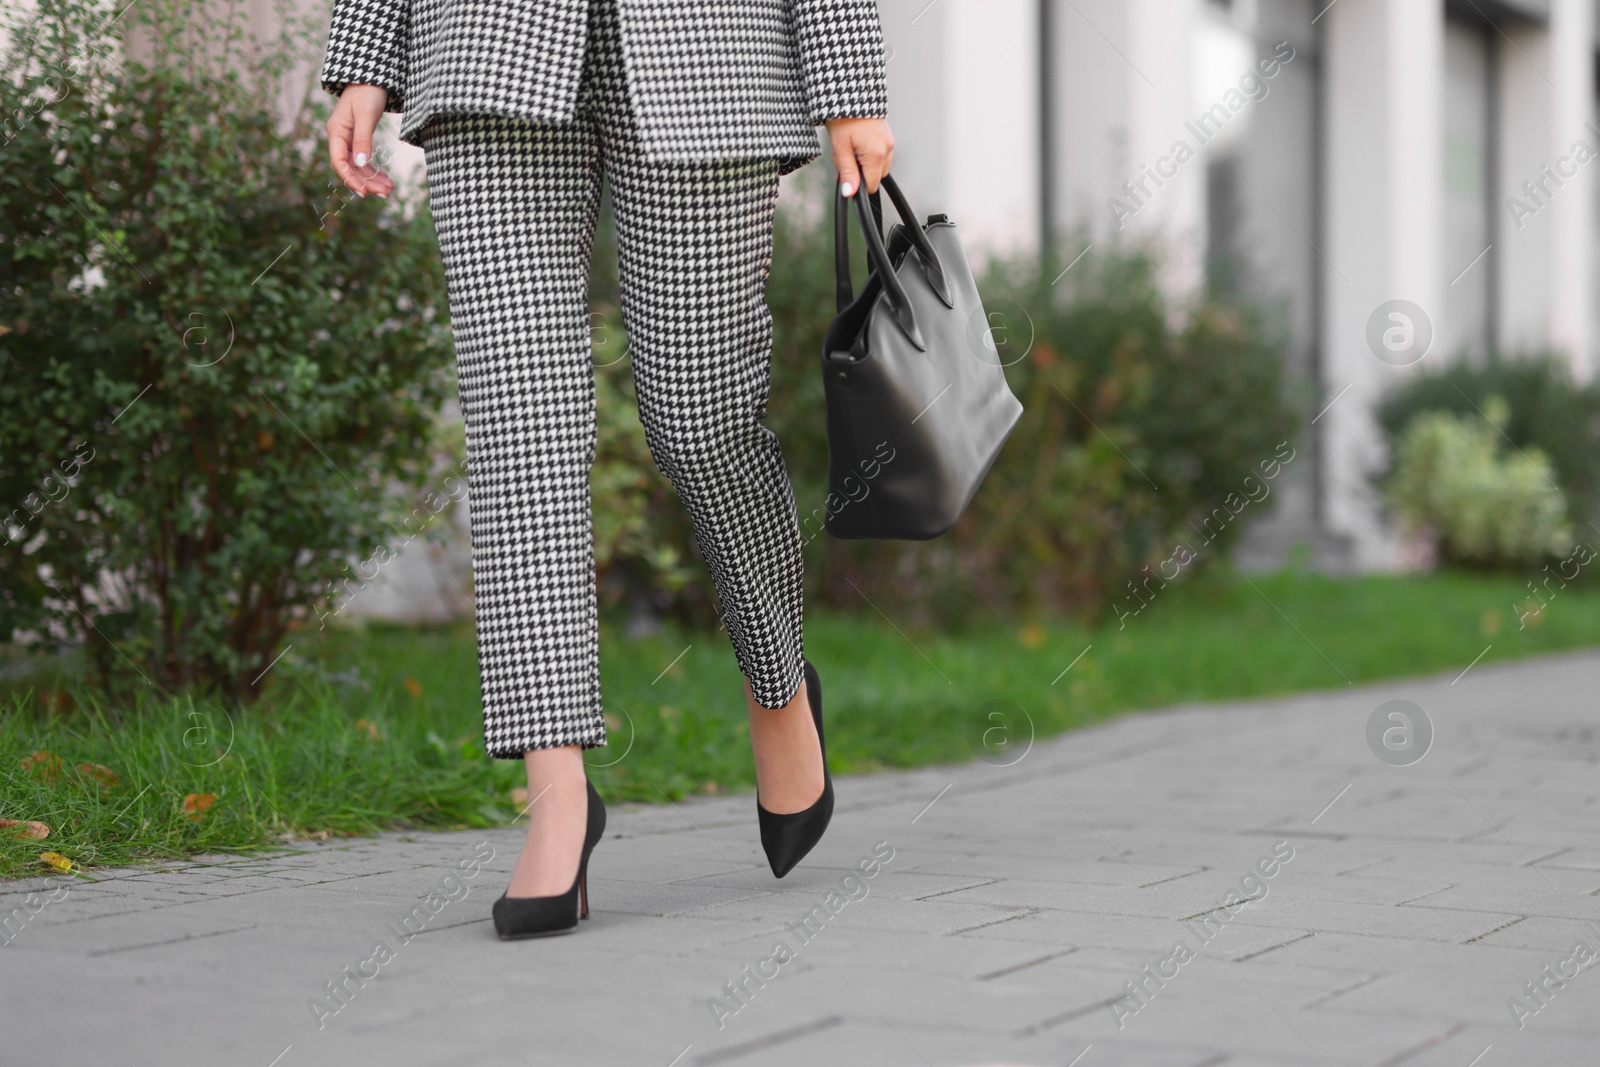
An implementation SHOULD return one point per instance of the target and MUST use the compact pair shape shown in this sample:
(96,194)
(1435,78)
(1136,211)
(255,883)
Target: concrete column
(1572,258)
(1092,85)
(1529,199)
(1414,75)
(1162,98)
(1385,73)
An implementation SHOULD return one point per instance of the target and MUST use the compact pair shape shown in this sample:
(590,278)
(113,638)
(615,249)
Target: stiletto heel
(787,838)
(519,917)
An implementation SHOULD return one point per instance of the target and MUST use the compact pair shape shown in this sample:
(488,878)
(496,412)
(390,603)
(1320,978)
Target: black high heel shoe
(787,838)
(518,917)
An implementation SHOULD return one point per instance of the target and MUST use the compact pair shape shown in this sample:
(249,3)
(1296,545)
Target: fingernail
(845,188)
(361,159)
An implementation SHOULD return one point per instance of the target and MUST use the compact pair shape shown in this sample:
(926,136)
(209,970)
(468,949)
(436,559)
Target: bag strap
(932,267)
(877,257)
(843,288)
(894,293)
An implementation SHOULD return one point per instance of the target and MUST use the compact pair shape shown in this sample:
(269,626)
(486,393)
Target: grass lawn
(379,727)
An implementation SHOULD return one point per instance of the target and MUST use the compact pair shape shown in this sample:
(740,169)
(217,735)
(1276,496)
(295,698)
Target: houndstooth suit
(515,203)
(709,79)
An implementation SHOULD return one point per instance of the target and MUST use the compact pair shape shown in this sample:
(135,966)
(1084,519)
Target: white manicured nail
(845,188)
(361,159)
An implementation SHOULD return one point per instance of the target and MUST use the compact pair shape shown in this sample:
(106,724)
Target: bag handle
(933,269)
(932,266)
(844,287)
(844,290)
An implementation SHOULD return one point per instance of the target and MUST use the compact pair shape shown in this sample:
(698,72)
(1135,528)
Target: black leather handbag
(918,405)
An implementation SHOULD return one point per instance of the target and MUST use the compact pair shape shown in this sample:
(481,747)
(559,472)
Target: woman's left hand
(862,151)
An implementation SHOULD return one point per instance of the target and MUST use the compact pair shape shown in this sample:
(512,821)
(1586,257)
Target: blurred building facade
(1346,155)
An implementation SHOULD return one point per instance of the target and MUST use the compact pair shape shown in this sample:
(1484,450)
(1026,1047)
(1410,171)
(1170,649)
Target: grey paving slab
(1022,906)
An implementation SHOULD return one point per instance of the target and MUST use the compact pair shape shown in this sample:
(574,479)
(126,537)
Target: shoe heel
(583,892)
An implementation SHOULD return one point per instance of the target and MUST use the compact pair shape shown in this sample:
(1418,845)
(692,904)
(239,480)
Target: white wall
(963,102)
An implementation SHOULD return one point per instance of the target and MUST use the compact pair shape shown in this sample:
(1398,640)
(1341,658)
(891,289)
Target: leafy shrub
(1148,428)
(1485,504)
(1547,410)
(214,366)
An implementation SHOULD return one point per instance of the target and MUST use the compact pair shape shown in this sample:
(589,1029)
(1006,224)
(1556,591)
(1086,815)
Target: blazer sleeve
(841,58)
(367,46)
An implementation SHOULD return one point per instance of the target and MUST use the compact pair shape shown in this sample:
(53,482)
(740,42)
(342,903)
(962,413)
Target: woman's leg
(514,205)
(558,812)
(695,246)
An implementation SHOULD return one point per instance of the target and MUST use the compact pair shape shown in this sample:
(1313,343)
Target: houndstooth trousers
(515,205)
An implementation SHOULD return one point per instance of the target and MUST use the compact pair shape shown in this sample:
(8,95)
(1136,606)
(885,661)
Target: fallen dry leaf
(56,700)
(56,860)
(305,835)
(195,804)
(100,773)
(26,828)
(44,763)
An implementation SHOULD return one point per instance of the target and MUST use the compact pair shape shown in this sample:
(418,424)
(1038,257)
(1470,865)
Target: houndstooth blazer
(708,79)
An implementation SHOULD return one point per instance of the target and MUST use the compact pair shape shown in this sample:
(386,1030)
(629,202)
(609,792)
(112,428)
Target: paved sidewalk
(1406,909)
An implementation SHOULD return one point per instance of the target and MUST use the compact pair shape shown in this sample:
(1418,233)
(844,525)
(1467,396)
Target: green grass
(302,762)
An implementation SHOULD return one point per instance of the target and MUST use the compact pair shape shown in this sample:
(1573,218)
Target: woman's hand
(862,150)
(350,129)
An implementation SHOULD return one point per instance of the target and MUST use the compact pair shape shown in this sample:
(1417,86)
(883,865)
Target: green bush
(1484,504)
(215,366)
(1547,410)
(1152,431)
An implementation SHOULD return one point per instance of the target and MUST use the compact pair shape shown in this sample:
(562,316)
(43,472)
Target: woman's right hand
(350,130)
